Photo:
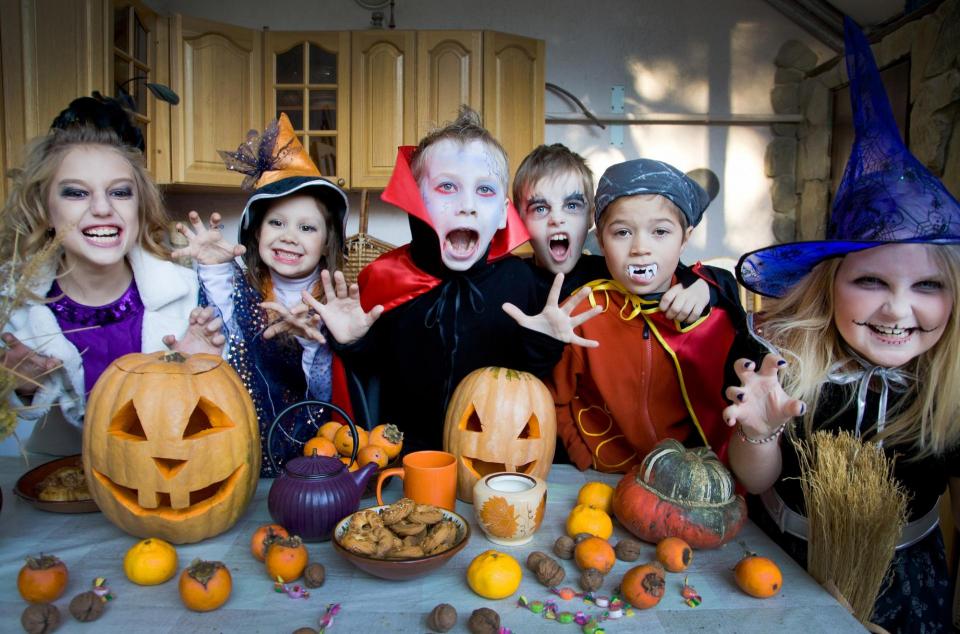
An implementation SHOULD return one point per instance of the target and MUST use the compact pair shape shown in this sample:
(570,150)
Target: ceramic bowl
(509,506)
(401,569)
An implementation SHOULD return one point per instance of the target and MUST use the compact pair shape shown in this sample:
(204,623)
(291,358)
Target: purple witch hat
(886,194)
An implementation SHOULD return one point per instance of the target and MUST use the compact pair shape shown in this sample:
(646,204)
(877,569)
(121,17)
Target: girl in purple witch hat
(869,320)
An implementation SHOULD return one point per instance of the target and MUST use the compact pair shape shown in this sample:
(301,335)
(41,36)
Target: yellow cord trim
(596,454)
(583,431)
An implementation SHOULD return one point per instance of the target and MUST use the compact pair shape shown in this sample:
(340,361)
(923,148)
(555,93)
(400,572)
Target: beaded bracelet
(760,441)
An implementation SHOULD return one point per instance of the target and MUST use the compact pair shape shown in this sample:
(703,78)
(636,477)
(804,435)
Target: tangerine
(758,576)
(494,575)
(263,537)
(372,453)
(319,445)
(329,430)
(42,579)
(286,558)
(205,585)
(588,519)
(389,437)
(343,439)
(594,552)
(674,553)
(598,495)
(150,562)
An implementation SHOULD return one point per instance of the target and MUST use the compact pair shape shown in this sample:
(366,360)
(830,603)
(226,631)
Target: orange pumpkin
(680,492)
(643,586)
(263,537)
(205,585)
(499,420)
(42,579)
(286,559)
(171,445)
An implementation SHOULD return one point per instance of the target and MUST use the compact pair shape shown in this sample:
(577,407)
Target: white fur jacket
(168,292)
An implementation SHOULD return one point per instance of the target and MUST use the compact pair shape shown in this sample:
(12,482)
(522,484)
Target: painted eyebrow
(536,200)
(577,196)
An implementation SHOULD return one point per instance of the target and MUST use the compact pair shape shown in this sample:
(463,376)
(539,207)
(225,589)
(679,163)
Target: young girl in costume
(291,228)
(112,290)
(869,321)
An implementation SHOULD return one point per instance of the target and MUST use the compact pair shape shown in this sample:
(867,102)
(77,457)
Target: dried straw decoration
(362,249)
(856,511)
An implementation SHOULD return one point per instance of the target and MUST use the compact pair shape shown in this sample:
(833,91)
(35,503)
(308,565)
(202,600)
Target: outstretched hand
(760,405)
(297,320)
(206,245)
(555,320)
(342,313)
(25,364)
(203,334)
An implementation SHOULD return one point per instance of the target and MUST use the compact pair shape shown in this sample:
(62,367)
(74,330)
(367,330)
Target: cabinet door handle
(341,182)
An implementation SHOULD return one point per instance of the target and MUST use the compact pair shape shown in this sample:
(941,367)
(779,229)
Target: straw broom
(856,511)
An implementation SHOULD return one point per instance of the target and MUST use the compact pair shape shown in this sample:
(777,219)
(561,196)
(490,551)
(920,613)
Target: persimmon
(643,586)
(389,437)
(286,559)
(594,552)
(343,440)
(263,537)
(321,446)
(674,553)
(350,466)
(758,576)
(372,453)
(329,430)
(205,585)
(42,579)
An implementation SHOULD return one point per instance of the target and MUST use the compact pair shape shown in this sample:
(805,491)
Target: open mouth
(641,274)
(559,246)
(104,235)
(286,257)
(172,507)
(461,244)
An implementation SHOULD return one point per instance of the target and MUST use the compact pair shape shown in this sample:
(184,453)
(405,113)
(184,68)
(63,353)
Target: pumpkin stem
(174,357)
(203,571)
(42,562)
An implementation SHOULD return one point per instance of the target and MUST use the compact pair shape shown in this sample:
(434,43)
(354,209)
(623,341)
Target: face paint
(464,190)
(556,215)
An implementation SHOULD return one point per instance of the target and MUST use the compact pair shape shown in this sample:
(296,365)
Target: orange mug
(429,477)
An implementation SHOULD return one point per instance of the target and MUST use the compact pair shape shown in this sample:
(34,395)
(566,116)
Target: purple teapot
(315,492)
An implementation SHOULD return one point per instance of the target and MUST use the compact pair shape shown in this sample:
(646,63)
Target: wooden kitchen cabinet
(307,75)
(449,73)
(217,71)
(384,105)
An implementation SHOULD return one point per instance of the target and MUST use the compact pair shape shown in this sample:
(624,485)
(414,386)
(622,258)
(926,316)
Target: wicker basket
(362,249)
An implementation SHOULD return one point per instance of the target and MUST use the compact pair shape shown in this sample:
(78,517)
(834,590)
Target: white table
(91,546)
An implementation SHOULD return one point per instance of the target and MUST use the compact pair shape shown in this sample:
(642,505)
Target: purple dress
(119,331)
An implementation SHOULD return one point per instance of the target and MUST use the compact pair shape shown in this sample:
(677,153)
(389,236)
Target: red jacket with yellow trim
(650,379)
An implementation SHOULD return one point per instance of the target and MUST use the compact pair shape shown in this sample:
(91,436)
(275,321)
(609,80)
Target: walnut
(442,618)
(534,558)
(314,575)
(591,579)
(628,549)
(305,630)
(87,606)
(563,547)
(41,618)
(549,572)
(484,621)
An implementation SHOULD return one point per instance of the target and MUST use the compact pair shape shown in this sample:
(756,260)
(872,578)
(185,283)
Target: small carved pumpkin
(171,445)
(499,420)
(679,492)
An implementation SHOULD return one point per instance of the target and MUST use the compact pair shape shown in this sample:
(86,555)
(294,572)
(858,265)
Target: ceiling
(869,13)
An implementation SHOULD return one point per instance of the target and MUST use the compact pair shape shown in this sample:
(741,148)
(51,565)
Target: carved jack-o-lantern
(171,445)
(499,420)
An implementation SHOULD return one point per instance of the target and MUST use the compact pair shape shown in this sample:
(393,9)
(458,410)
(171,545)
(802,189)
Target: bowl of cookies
(59,486)
(403,540)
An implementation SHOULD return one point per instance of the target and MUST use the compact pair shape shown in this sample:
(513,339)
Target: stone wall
(798,158)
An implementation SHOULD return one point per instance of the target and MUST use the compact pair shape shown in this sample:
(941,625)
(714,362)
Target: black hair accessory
(104,113)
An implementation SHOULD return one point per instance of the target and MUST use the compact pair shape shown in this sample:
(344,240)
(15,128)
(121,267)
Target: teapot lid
(314,467)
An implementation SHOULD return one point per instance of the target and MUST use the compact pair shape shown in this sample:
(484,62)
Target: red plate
(27,488)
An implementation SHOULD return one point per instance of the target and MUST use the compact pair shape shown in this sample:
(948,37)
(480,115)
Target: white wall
(672,56)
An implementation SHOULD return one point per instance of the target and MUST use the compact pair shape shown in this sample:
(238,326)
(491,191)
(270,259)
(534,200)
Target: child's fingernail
(781,362)
(748,364)
(740,397)
(803,408)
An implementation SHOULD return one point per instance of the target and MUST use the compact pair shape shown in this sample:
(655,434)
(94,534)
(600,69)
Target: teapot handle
(295,406)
